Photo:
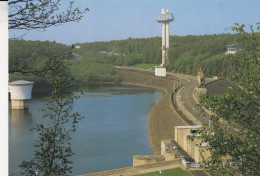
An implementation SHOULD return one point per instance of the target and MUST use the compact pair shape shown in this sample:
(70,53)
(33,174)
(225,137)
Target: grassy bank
(170,172)
(145,66)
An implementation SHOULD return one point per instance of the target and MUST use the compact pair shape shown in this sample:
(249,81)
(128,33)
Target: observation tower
(165,17)
(21,91)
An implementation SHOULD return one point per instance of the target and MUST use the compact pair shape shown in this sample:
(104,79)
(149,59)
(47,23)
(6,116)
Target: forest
(185,55)
(94,62)
(32,55)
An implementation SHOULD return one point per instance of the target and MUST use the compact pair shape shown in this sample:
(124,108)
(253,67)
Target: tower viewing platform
(165,17)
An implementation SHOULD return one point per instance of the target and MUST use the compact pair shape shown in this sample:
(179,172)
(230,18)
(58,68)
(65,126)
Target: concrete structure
(232,49)
(194,148)
(165,17)
(77,47)
(139,160)
(21,91)
(215,77)
(160,71)
(182,148)
(181,131)
(167,150)
(167,154)
(199,91)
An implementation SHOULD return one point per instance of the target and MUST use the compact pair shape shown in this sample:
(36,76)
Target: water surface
(113,130)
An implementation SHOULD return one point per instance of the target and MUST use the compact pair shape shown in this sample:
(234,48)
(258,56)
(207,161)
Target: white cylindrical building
(20,91)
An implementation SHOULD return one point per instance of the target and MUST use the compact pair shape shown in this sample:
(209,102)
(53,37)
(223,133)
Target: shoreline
(162,117)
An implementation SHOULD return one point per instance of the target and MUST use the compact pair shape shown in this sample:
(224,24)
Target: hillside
(185,55)
(97,59)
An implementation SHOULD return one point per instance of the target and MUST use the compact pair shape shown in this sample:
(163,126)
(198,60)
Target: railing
(187,164)
(183,161)
(195,165)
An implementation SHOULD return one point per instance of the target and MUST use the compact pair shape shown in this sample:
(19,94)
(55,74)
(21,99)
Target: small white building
(20,91)
(160,71)
(232,49)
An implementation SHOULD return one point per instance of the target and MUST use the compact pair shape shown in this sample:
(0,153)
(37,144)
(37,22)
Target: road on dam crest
(185,98)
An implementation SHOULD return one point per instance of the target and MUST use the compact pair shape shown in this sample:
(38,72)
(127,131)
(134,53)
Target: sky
(120,19)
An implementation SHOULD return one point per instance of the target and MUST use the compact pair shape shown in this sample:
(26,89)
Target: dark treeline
(97,59)
(32,52)
(33,55)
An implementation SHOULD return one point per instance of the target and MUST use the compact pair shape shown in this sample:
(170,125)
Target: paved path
(185,99)
(187,103)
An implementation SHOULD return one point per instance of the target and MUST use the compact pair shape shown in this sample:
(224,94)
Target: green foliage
(236,123)
(39,82)
(52,149)
(33,53)
(90,68)
(131,51)
(189,52)
(27,57)
(217,65)
(185,54)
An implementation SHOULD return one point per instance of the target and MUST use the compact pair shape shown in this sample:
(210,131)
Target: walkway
(187,103)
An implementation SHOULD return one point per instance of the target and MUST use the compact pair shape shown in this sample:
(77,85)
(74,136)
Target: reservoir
(113,131)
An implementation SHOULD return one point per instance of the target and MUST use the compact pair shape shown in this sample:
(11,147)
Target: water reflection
(19,121)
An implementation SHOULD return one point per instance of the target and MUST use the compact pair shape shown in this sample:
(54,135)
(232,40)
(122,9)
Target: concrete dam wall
(162,118)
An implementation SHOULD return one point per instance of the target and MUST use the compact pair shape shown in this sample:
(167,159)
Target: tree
(41,14)
(52,149)
(234,139)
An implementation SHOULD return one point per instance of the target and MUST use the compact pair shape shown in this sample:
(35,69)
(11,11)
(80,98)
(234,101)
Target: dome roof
(20,82)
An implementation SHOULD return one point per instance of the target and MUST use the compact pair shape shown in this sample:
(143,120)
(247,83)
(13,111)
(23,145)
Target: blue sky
(119,19)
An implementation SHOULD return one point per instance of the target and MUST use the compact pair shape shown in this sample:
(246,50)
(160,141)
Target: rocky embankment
(162,118)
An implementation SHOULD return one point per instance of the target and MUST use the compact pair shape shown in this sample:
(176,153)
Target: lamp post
(211,111)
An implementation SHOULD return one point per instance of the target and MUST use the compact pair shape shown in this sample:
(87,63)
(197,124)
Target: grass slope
(170,172)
